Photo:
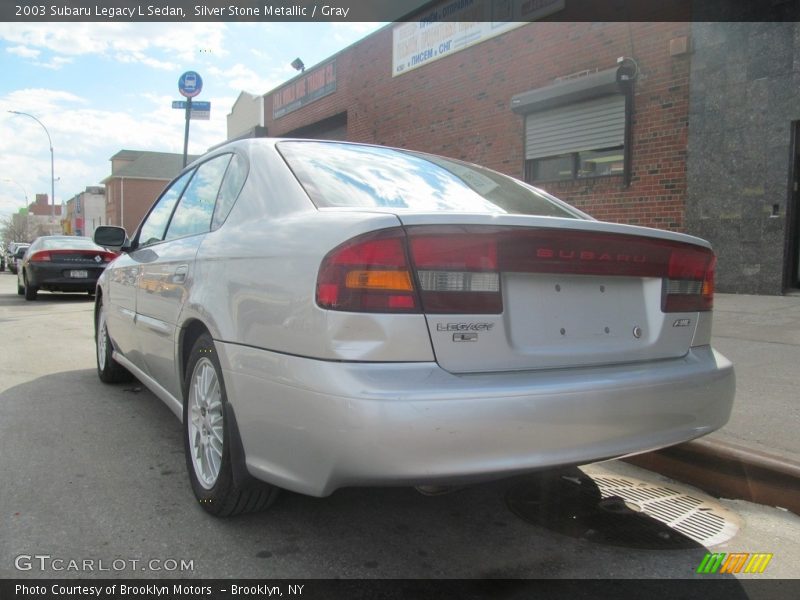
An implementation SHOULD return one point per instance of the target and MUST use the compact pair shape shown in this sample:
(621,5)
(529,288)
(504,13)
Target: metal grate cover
(702,520)
(621,511)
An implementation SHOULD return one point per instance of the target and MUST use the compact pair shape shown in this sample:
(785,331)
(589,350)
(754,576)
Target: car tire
(209,435)
(108,370)
(31,291)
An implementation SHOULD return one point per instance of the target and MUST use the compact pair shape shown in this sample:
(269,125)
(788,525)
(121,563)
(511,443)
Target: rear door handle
(180,274)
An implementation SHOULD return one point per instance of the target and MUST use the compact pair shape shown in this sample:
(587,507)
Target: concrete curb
(729,470)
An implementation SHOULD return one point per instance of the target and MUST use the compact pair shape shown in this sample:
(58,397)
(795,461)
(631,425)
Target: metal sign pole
(186,131)
(189,85)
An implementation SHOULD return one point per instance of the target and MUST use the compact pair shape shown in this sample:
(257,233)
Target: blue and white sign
(190,84)
(199,105)
(454,25)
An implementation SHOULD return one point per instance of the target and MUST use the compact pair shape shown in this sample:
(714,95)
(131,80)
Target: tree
(18,228)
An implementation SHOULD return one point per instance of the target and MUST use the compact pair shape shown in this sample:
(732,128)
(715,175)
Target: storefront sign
(310,87)
(458,24)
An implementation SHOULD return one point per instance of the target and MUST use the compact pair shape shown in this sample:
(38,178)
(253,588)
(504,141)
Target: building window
(576,141)
(577,165)
(607,161)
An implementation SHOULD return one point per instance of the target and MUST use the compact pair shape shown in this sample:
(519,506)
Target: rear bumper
(52,277)
(314,426)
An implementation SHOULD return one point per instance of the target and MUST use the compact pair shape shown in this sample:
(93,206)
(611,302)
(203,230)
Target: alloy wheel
(205,423)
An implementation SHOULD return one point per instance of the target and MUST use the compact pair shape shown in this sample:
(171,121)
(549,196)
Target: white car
(324,314)
(16,252)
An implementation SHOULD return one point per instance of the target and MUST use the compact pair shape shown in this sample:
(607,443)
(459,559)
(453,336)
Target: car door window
(154,226)
(231,186)
(193,214)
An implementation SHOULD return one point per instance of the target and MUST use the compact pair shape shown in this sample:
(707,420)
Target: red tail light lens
(369,273)
(108,256)
(457,268)
(53,255)
(690,285)
(41,256)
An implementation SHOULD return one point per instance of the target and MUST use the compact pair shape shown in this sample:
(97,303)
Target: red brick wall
(139,197)
(460,106)
(42,207)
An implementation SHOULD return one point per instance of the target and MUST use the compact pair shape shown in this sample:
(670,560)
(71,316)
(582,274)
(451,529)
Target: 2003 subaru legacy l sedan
(326,314)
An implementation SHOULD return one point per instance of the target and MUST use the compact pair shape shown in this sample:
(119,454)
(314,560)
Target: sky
(99,88)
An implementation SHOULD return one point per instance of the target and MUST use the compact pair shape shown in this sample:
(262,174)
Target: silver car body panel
(263,295)
(175,405)
(166,275)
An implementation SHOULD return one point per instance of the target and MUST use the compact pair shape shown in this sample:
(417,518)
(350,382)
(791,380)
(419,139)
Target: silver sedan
(326,314)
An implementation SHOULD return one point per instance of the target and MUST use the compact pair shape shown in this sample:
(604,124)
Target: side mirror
(113,238)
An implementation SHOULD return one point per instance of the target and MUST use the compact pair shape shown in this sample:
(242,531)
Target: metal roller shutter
(590,125)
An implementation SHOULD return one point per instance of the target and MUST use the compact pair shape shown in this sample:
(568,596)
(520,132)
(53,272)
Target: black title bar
(710,588)
(395,10)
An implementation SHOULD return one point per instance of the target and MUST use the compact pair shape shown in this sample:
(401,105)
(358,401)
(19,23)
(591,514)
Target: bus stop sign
(190,84)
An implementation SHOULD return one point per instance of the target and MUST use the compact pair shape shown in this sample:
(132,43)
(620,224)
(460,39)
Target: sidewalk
(756,456)
(761,335)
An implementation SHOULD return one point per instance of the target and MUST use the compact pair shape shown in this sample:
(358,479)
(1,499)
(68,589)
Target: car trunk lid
(512,292)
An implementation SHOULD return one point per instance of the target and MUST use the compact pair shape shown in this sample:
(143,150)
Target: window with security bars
(576,141)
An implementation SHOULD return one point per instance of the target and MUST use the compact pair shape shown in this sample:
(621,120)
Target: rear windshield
(71,243)
(355,176)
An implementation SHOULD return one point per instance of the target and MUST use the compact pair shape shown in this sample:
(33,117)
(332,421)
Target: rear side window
(193,214)
(155,224)
(350,175)
(231,186)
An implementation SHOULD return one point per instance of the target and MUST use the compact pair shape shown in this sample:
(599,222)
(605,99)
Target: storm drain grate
(702,520)
(621,511)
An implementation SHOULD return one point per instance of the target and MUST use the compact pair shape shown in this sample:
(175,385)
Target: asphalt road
(96,472)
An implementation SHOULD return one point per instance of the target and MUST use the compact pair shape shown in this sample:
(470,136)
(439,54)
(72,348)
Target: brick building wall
(42,207)
(138,194)
(460,106)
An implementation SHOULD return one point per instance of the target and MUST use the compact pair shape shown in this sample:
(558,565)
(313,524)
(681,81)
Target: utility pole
(52,164)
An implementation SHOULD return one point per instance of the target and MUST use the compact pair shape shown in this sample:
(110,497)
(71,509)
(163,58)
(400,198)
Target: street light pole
(24,191)
(52,163)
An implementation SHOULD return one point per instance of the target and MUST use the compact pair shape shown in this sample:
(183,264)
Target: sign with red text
(454,25)
(304,90)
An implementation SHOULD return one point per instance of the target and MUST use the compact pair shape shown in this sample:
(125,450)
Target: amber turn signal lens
(379,280)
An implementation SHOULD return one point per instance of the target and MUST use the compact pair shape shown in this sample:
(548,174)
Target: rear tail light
(41,256)
(456,269)
(369,273)
(107,256)
(54,255)
(689,286)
